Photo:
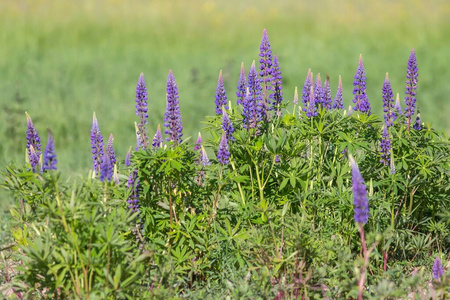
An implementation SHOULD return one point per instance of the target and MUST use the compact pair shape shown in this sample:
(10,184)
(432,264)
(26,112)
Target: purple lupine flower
(338,101)
(318,92)
(106,168)
(311,110)
(133,186)
(360,200)
(385,147)
(359,89)
(265,67)
(110,150)
(33,140)
(96,145)
(277,94)
(223,154)
(253,103)
(227,126)
(128,158)
(157,139)
(327,98)
(221,95)
(388,102)
(241,90)
(205,159)
(411,87)
(307,90)
(49,154)
(438,269)
(295,101)
(141,111)
(172,116)
(198,143)
(417,124)
(397,108)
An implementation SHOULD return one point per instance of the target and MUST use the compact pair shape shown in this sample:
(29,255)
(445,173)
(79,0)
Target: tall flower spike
(49,154)
(438,270)
(172,116)
(157,139)
(221,95)
(141,111)
(327,98)
(417,124)
(33,140)
(295,101)
(265,67)
(306,90)
(360,200)
(253,104)
(223,154)
(96,145)
(338,101)
(106,170)
(198,143)
(359,89)
(128,158)
(277,95)
(397,108)
(110,150)
(34,158)
(388,102)
(205,159)
(311,109)
(318,92)
(227,126)
(411,87)
(241,87)
(385,147)
(133,186)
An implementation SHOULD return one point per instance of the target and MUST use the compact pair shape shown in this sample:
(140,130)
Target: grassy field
(63,60)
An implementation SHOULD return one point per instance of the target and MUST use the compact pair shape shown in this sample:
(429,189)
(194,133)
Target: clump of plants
(278,198)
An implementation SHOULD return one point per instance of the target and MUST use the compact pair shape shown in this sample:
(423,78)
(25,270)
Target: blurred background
(63,60)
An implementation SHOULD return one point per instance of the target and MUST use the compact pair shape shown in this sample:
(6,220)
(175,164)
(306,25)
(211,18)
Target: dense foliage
(272,216)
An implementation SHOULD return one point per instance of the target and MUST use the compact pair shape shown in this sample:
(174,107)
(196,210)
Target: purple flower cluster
(172,116)
(133,186)
(411,87)
(327,98)
(223,154)
(277,95)
(417,124)
(49,154)
(438,270)
(106,168)
(253,103)
(198,143)
(265,67)
(359,89)
(338,101)
(128,158)
(311,109)
(241,87)
(307,90)
(318,92)
(360,200)
(221,95)
(388,102)
(141,112)
(385,147)
(33,143)
(96,145)
(157,139)
(110,150)
(227,126)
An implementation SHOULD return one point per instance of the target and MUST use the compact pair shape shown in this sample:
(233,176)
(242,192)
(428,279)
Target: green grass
(63,61)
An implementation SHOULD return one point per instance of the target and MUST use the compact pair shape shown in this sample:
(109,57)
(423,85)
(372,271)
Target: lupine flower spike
(227,126)
(110,150)
(318,92)
(338,101)
(252,106)
(417,124)
(241,87)
(311,109)
(205,159)
(198,143)
(359,89)
(360,200)
(411,87)
(33,141)
(388,102)
(141,111)
(172,116)
(397,107)
(327,98)
(306,90)
(221,95)
(96,145)
(385,147)
(438,270)
(49,154)
(128,158)
(223,154)
(265,68)
(106,170)
(277,95)
(157,139)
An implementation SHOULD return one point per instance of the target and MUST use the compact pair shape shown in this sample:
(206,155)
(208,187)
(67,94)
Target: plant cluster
(279,201)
